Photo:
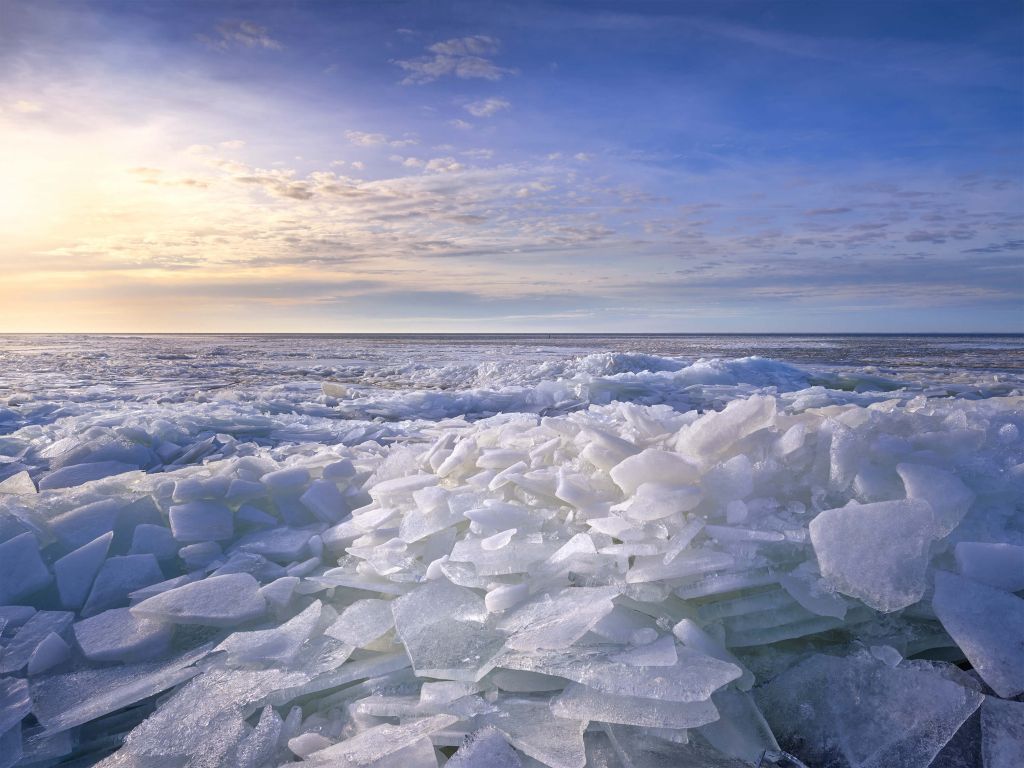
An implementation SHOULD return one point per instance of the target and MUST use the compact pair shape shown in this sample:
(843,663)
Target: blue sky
(438,166)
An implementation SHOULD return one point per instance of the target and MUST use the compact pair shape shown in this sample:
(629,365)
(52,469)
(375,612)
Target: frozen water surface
(498,552)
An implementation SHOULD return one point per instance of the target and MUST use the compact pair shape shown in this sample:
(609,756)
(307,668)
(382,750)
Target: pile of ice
(623,585)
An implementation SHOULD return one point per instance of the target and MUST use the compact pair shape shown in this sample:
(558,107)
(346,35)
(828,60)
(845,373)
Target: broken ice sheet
(370,745)
(878,552)
(693,678)
(217,601)
(63,701)
(117,635)
(988,626)
(530,727)
(277,646)
(582,703)
(857,712)
(485,748)
(1002,733)
(441,626)
(362,622)
(556,621)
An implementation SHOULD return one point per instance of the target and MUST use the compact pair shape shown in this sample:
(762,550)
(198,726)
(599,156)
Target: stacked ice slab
(624,586)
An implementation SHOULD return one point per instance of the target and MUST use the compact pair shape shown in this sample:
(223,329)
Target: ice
(15,702)
(117,635)
(362,622)
(258,747)
(510,546)
(857,712)
(19,484)
(693,678)
(442,628)
(201,521)
(998,565)
(51,651)
(1002,733)
(117,578)
(278,646)
(653,466)
(155,540)
(77,474)
(485,748)
(988,626)
(217,601)
(378,742)
(65,700)
(556,621)
(582,703)
(878,552)
(945,492)
(77,570)
(85,523)
(19,650)
(22,571)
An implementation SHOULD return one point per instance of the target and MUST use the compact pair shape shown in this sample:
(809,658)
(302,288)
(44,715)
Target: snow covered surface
(641,552)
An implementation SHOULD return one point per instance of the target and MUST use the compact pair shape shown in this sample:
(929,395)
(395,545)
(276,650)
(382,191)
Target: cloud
(444,165)
(487,107)
(463,57)
(828,211)
(240,34)
(233,144)
(362,139)
(462,125)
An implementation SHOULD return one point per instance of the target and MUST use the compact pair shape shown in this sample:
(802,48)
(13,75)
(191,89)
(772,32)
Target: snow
(607,559)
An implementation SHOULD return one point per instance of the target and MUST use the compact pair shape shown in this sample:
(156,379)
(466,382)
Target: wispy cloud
(463,57)
(240,34)
(487,107)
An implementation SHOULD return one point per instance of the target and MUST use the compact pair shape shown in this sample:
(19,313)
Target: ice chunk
(325,501)
(22,571)
(19,484)
(86,523)
(64,701)
(581,703)
(117,578)
(117,635)
(155,540)
(740,730)
(258,748)
(998,565)
(77,570)
(988,625)
(51,651)
(15,702)
(858,712)
(714,432)
(380,741)
(1002,733)
(653,466)
(693,678)
(201,521)
(12,748)
(559,620)
(20,649)
(658,653)
(485,748)
(653,501)
(278,646)
(530,727)
(441,626)
(77,474)
(877,553)
(217,601)
(945,492)
(503,597)
(362,622)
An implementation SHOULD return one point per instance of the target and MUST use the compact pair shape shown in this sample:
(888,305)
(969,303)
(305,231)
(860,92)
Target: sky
(432,166)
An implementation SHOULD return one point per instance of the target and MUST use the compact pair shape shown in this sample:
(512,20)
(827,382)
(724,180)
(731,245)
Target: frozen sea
(512,551)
